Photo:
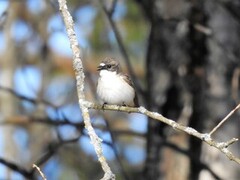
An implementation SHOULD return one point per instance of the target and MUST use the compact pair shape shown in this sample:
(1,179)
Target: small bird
(114,87)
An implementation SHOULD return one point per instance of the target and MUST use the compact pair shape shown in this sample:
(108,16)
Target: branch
(25,98)
(15,167)
(78,68)
(25,120)
(225,119)
(40,172)
(113,8)
(205,137)
(122,48)
(51,150)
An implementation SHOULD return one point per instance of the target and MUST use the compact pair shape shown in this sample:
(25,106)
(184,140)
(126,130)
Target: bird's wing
(127,79)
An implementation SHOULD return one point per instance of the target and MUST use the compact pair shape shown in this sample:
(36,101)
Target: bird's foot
(103,106)
(123,104)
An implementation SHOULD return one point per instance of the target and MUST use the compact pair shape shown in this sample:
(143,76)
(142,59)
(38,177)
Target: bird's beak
(99,68)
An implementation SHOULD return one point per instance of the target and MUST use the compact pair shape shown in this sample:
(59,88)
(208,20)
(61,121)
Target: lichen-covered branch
(78,68)
(205,137)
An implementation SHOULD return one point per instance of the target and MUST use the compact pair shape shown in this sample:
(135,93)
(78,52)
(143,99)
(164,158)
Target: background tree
(182,55)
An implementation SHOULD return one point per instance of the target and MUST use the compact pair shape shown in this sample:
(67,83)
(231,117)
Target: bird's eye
(109,66)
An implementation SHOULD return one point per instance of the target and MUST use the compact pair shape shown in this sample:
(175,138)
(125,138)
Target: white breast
(112,89)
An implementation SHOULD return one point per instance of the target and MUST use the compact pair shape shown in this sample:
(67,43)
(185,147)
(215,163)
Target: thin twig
(40,172)
(29,174)
(225,119)
(52,148)
(78,68)
(122,49)
(203,29)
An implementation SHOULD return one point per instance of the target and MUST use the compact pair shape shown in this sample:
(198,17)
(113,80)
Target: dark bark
(163,87)
(197,82)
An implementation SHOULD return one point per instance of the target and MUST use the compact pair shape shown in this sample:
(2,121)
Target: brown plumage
(115,87)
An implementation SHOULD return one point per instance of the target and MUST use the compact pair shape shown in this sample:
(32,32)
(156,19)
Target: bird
(115,87)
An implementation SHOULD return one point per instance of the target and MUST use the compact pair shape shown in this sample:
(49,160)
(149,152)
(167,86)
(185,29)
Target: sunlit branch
(78,69)
(40,172)
(205,137)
